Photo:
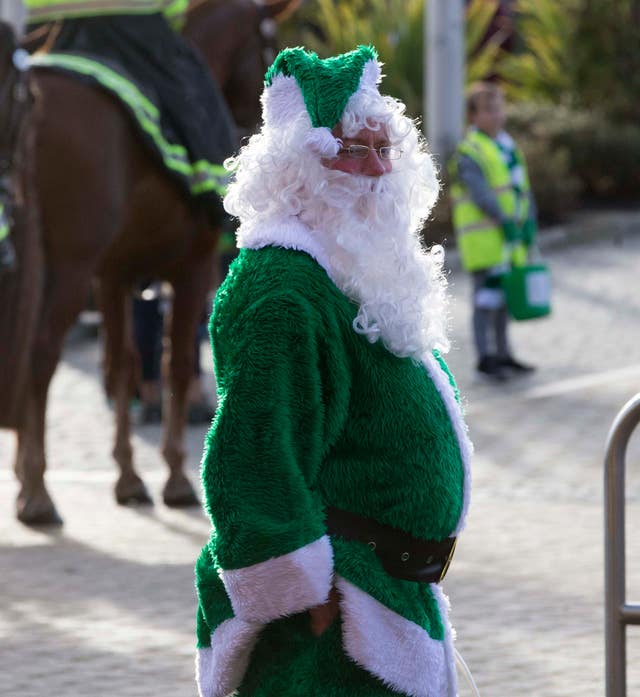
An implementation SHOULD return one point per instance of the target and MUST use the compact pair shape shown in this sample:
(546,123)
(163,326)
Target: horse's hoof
(132,491)
(179,493)
(38,512)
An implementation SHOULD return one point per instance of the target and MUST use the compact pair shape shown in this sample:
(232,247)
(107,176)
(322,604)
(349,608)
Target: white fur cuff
(394,649)
(221,667)
(282,585)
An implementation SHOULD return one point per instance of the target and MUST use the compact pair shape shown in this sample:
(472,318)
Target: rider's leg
(148,321)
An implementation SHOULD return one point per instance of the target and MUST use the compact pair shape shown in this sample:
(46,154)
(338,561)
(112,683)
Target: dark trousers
(489,323)
(148,327)
(148,323)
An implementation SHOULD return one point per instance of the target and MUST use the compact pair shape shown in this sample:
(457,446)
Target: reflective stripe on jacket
(479,237)
(50,10)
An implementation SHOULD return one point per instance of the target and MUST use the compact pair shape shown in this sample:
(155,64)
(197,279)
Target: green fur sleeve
(265,446)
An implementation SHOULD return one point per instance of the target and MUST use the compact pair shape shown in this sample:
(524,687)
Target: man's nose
(374,166)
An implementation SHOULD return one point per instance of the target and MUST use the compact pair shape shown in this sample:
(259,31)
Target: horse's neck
(208,19)
(216,28)
(195,5)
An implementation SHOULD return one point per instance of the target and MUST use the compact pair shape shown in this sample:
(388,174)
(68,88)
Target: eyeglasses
(361,152)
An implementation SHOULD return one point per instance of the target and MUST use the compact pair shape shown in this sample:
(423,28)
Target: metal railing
(618,614)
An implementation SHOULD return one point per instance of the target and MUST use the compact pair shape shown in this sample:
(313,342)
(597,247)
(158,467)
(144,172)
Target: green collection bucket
(527,291)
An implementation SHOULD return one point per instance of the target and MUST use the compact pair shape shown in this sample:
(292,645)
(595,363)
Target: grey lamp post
(12,11)
(444,75)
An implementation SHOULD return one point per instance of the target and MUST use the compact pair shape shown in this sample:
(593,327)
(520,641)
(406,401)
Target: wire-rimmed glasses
(361,152)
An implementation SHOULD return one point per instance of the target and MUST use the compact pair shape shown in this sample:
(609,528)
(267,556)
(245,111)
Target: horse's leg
(120,378)
(188,304)
(64,294)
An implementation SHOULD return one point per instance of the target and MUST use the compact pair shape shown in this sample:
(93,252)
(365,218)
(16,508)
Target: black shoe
(7,256)
(490,368)
(510,364)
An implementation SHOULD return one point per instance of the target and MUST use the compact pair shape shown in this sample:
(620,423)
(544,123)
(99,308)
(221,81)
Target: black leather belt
(402,555)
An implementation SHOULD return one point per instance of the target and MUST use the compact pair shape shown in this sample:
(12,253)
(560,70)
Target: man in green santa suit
(336,471)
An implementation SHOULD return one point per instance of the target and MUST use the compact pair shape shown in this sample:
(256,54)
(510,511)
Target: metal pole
(13,12)
(444,69)
(617,613)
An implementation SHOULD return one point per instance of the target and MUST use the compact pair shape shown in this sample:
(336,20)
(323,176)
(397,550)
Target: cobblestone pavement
(106,605)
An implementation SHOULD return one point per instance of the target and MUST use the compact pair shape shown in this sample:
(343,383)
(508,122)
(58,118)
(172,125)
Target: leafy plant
(482,53)
(542,68)
(603,156)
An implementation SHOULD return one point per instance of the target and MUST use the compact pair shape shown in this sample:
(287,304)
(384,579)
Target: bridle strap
(14,97)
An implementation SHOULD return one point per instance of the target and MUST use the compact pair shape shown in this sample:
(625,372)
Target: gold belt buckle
(447,563)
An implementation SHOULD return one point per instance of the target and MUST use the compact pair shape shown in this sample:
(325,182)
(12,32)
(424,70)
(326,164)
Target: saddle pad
(197,175)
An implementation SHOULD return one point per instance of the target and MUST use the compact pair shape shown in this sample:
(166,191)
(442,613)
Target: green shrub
(607,58)
(604,157)
(555,184)
(542,67)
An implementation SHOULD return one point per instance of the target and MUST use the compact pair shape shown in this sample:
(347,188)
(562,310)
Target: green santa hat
(299,84)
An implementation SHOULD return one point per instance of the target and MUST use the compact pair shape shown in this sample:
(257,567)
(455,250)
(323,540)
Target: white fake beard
(377,260)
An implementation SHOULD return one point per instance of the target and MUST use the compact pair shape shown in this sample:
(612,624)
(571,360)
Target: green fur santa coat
(312,414)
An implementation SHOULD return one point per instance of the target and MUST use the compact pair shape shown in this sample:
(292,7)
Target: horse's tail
(21,289)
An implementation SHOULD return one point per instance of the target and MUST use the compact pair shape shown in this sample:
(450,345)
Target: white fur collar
(288,232)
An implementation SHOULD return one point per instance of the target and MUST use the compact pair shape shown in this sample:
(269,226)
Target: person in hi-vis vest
(494,217)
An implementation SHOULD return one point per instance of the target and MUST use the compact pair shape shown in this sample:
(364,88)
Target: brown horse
(108,211)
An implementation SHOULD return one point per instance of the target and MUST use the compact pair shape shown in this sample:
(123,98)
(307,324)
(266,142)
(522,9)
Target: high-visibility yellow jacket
(50,10)
(480,239)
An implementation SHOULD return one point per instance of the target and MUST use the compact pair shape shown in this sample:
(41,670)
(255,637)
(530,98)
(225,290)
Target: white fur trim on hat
(322,142)
(371,75)
(283,102)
